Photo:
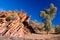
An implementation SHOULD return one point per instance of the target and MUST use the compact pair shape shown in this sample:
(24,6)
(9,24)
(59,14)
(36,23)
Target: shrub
(57,29)
(12,16)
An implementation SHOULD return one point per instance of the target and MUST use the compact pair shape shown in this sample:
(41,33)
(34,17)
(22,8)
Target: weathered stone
(16,27)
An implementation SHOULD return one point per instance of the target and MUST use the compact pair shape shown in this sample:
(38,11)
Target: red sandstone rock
(14,27)
(22,16)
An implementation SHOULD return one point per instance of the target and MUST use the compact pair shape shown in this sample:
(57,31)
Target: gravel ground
(33,37)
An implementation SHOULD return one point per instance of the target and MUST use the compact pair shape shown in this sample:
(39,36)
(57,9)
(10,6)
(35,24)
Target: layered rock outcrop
(12,24)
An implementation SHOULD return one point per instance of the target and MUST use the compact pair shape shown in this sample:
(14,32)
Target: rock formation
(17,24)
(11,24)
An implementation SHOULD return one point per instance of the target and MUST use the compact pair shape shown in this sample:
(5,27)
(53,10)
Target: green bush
(12,16)
(57,29)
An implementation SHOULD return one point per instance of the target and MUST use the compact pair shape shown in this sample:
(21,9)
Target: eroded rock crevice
(15,24)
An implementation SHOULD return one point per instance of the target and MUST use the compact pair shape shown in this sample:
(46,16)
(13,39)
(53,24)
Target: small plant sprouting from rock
(12,16)
(47,16)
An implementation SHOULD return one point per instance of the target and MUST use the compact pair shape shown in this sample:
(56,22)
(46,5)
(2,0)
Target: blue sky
(31,7)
